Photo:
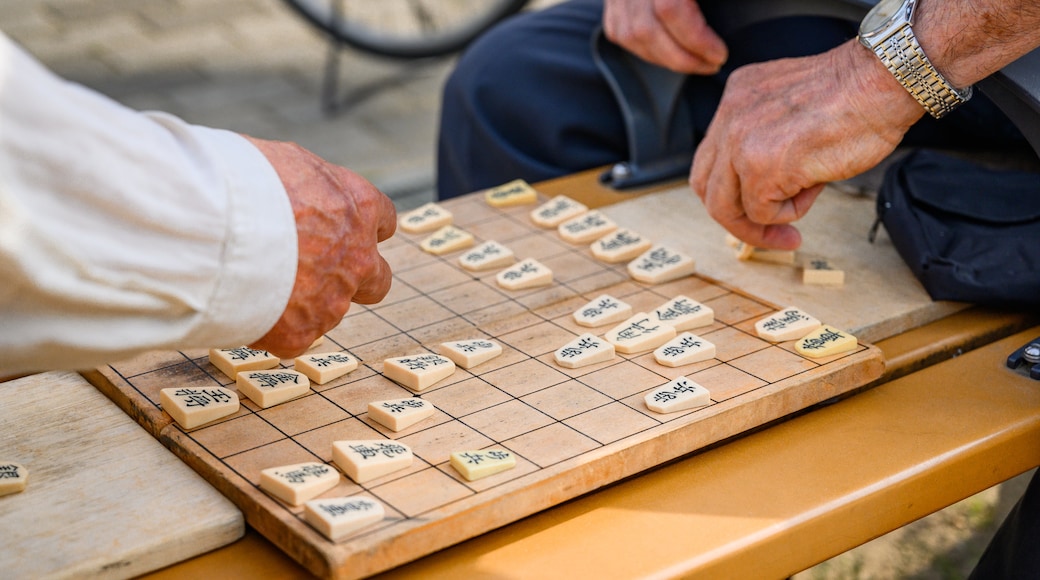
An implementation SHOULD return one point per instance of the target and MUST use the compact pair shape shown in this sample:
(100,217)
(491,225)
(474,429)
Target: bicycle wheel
(406,28)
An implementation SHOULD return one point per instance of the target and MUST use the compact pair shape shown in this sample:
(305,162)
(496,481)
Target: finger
(685,24)
(376,286)
(387,216)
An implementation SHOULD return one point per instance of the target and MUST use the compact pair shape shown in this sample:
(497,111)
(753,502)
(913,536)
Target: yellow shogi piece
(732,241)
(639,333)
(475,465)
(516,192)
(684,313)
(366,460)
(586,227)
(684,349)
(556,211)
(232,361)
(788,324)
(587,349)
(821,272)
(400,414)
(324,367)
(619,246)
(773,256)
(604,309)
(13,478)
(338,517)
(490,254)
(194,406)
(470,353)
(825,341)
(418,372)
(677,395)
(424,219)
(447,239)
(529,273)
(744,251)
(271,387)
(660,264)
(297,483)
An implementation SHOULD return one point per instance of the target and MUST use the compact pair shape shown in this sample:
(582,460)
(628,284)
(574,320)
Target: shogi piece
(660,264)
(446,240)
(639,333)
(825,341)
(773,256)
(418,372)
(604,309)
(400,414)
(490,254)
(470,353)
(337,517)
(732,241)
(556,211)
(821,272)
(529,273)
(424,219)
(232,361)
(516,192)
(585,228)
(687,348)
(194,406)
(13,478)
(269,388)
(324,367)
(619,246)
(587,349)
(366,460)
(678,395)
(475,465)
(788,324)
(684,313)
(295,484)
(745,251)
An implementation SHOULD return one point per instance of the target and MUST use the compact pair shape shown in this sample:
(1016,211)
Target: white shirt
(122,232)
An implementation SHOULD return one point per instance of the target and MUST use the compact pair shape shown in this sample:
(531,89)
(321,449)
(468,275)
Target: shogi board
(573,430)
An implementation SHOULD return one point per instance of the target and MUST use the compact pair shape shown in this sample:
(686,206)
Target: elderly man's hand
(668,33)
(340,218)
(785,128)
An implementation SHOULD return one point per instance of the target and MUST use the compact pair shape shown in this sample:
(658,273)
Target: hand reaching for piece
(340,219)
(668,33)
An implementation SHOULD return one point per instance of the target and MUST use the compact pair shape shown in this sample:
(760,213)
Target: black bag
(968,232)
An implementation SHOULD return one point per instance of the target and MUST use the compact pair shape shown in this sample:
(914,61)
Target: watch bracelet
(902,54)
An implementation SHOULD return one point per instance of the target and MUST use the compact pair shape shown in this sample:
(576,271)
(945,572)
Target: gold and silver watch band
(901,53)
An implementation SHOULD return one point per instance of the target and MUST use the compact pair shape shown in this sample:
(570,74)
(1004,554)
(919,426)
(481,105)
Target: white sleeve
(122,232)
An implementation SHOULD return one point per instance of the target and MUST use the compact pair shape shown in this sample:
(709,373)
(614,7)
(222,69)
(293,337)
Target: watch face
(880,16)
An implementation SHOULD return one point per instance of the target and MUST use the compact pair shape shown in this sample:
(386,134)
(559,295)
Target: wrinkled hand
(340,217)
(668,33)
(785,128)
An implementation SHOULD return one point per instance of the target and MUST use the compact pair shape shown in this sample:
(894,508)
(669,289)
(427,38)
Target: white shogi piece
(232,361)
(475,465)
(400,414)
(529,273)
(337,517)
(587,349)
(820,272)
(604,309)
(586,227)
(194,406)
(825,341)
(447,239)
(684,313)
(677,395)
(13,477)
(425,218)
(485,256)
(365,460)
(516,192)
(326,366)
(639,333)
(297,483)
(556,211)
(687,348)
(270,387)
(660,264)
(418,372)
(620,245)
(470,353)
(787,324)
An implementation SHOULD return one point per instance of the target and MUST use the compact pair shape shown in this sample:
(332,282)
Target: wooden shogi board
(573,430)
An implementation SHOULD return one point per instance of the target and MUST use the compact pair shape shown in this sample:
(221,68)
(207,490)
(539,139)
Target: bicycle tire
(443,41)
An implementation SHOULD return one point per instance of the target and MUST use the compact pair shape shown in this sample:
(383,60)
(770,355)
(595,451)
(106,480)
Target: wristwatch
(888,31)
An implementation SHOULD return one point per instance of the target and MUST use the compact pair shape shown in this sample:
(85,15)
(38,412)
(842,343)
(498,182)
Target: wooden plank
(104,499)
